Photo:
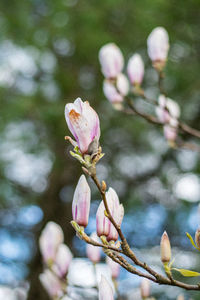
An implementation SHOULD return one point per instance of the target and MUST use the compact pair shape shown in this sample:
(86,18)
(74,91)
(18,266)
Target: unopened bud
(114,267)
(145,288)
(180,297)
(111,60)
(170,133)
(197,238)
(81,202)
(102,222)
(105,290)
(51,283)
(116,91)
(165,248)
(103,185)
(158,46)
(117,212)
(62,260)
(135,69)
(94,252)
(49,241)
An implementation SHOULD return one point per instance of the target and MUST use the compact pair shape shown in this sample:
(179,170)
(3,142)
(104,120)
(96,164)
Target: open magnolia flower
(83,122)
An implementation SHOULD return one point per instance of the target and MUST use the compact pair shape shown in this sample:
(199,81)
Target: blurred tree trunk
(54,210)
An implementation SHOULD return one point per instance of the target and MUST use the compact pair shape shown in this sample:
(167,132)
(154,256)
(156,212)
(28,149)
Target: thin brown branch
(153,120)
(88,240)
(160,279)
(120,260)
(182,126)
(189,130)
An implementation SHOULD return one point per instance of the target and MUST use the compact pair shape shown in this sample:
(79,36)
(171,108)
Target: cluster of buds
(56,257)
(168,113)
(116,84)
(81,208)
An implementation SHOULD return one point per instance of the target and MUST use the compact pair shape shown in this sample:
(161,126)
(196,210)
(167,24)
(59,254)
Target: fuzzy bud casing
(165,248)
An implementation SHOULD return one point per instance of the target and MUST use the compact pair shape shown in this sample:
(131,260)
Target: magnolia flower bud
(117,212)
(158,45)
(115,92)
(114,267)
(50,239)
(62,260)
(81,202)
(135,69)
(168,109)
(197,238)
(105,290)
(145,288)
(93,252)
(165,248)
(51,284)
(102,222)
(111,60)
(83,122)
(170,133)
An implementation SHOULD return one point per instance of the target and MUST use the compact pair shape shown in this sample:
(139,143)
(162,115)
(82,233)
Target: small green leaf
(191,240)
(187,273)
(171,263)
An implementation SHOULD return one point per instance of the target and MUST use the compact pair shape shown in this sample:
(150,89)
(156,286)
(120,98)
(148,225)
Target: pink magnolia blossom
(51,283)
(170,133)
(104,226)
(135,69)
(102,222)
(105,290)
(50,239)
(81,202)
(94,252)
(83,122)
(117,212)
(62,260)
(158,45)
(111,60)
(114,267)
(167,110)
(115,92)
